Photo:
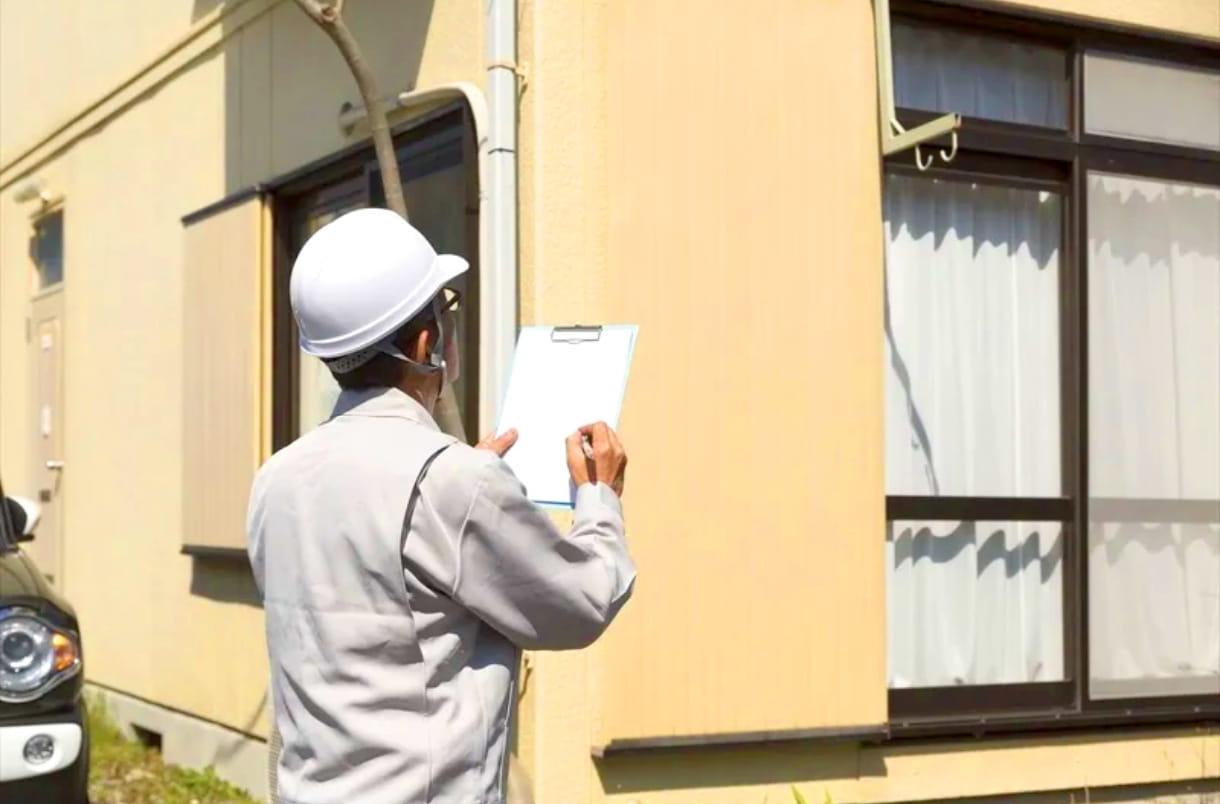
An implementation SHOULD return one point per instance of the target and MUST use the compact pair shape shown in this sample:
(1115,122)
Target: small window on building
(47,249)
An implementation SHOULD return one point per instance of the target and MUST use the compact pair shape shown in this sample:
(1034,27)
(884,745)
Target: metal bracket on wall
(894,137)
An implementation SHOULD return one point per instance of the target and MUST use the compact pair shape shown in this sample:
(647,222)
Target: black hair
(384,371)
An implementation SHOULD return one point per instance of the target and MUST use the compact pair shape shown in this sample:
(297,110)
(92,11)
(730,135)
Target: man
(402,571)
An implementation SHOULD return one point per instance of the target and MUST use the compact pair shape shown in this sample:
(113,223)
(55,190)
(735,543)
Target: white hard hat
(359,278)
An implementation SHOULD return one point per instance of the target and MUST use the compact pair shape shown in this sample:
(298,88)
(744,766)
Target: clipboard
(561,378)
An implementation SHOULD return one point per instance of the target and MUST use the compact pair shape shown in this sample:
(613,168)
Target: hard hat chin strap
(349,363)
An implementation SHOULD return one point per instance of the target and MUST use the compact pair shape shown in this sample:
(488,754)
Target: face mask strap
(436,357)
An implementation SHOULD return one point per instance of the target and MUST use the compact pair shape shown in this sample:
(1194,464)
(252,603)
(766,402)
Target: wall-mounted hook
(948,157)
(895,138)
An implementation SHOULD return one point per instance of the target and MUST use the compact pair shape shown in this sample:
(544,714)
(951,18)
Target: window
(47,250)
(1052,378)
(973,411)
(980,76)
(436,163)
(1152,101)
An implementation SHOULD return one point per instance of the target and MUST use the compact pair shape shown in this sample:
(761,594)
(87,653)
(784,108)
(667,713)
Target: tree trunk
(329,18)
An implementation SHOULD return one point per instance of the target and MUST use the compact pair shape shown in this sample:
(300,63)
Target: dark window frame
(350,174)
(1024,156)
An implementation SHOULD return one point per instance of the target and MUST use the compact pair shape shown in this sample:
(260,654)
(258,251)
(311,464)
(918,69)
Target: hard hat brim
(445,267)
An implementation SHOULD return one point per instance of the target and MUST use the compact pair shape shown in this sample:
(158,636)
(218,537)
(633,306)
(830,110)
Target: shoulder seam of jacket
(461,537)
(417,491)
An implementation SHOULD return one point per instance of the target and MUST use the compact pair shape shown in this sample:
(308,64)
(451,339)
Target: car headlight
(33,656)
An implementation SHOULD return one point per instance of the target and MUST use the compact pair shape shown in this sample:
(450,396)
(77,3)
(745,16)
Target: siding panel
(223,363)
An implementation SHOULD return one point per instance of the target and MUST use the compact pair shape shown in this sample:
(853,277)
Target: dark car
(44,740)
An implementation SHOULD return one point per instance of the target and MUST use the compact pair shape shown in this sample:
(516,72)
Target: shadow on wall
(231,748)
(204,7)
(781,763)
(1143,219)
(225,580)
(921,543)
(1158,221)
(1201,792)
(806,763)
(285,81)
(1007,219)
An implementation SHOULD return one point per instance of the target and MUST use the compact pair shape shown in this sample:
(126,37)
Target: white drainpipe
(498,255)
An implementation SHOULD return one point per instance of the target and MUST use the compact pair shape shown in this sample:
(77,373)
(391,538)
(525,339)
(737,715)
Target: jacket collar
(383,403)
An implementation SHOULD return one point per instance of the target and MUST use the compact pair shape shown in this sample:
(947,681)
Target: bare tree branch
(313,9)
(329,17)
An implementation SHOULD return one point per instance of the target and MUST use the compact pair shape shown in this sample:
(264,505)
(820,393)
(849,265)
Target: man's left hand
(499,444)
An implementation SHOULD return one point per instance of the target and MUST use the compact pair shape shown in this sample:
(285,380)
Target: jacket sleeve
(540,589)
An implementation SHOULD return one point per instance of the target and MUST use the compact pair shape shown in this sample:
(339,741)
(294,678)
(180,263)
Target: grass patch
(122,771)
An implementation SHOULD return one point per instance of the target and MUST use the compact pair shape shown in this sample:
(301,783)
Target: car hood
(22,583)
(19,577)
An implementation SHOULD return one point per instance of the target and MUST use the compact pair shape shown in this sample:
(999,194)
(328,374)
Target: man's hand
(498,444)
(609,462)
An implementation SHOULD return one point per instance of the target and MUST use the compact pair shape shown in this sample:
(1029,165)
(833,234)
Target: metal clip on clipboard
(576,333)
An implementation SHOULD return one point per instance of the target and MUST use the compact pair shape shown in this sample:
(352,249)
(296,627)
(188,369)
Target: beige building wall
(652,135)
(644,152)
(62,55)
(1190,17)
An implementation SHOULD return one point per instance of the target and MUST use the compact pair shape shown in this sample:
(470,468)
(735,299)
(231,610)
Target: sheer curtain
(972,409)
(1154,435)
(976,76)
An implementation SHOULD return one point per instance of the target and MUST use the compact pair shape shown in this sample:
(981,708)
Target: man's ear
(420,346)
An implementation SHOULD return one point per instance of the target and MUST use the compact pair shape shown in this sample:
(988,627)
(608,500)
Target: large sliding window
(1052,378)
(436,160)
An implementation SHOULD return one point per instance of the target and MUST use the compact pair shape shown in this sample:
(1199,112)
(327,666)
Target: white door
(46,353)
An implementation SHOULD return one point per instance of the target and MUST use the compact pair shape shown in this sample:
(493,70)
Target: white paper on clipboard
(562,378)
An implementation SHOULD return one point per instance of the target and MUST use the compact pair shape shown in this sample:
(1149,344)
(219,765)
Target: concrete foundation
(191,742)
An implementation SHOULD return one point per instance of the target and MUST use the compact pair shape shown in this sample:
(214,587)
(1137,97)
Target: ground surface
(123,771)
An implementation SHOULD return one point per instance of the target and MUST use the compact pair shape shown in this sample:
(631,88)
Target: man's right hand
(498,444)
(609,462)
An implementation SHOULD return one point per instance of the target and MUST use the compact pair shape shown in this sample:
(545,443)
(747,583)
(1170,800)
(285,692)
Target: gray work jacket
(394,649)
